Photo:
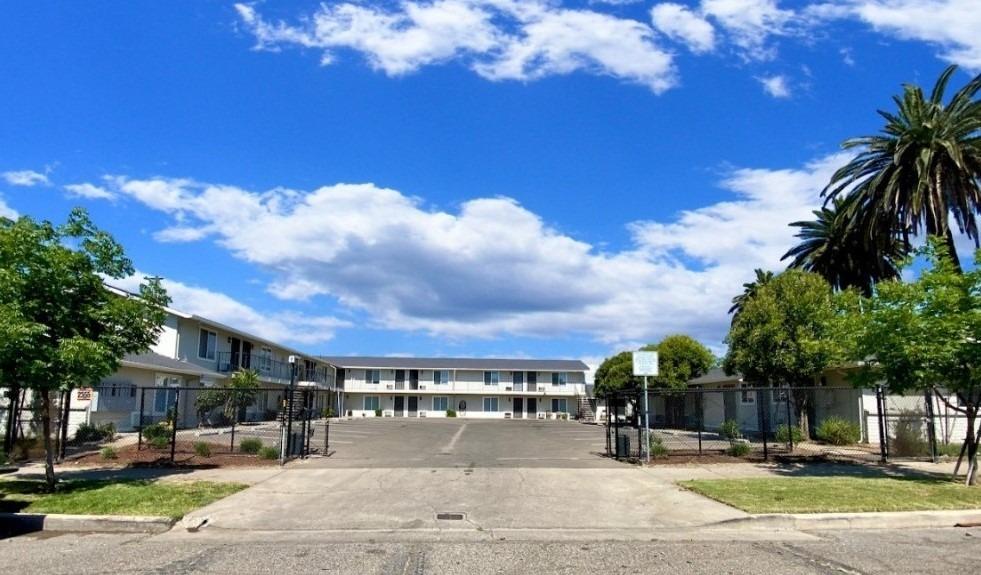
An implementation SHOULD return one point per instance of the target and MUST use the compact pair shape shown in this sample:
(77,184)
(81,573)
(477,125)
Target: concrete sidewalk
(246,475)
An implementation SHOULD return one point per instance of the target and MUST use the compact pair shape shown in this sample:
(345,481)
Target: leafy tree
(241,391)
(924,334)
(61,327)
(782,336)
(749,289)
(616,374)
(681,358)
(842,253)
(922,169)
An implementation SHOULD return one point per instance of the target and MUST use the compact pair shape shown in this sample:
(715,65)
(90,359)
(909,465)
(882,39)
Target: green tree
(681,358)
(616,374)
(921,335)
(241,391)
(61,326)
(842,253)
(922,169)
(782,336)
(749,289)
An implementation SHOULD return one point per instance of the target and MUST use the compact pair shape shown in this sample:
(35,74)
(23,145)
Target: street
(940,551)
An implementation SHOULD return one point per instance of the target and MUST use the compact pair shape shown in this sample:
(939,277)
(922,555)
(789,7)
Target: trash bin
(623,445)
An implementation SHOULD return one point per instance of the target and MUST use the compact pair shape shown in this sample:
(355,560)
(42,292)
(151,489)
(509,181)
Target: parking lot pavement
(405,442)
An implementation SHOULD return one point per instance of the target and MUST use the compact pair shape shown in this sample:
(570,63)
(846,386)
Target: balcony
(229,362)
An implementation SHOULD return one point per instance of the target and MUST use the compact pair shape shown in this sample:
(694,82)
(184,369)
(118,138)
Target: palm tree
(749,290)
(836,247)
(922,169)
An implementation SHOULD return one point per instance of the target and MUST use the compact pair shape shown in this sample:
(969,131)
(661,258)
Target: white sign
(645,363)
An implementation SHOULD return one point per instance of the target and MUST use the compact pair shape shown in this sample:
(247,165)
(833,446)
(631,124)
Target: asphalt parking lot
(462,443)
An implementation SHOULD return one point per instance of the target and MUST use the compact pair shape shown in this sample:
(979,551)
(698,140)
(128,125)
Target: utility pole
(647,426)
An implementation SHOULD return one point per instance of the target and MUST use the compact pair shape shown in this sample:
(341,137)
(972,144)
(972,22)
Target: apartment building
(194,351)
(468,387)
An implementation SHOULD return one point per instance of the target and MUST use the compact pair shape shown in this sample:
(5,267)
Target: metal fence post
(139,423)
(66,397)
(701,418)
(327,438)
(173,421)
(931,429)
(764,407)
(790,423)
(880,407)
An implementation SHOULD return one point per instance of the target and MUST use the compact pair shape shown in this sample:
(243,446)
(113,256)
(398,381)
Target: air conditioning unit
(422,387)
(390,386)
(507,389)
(507,415)
(422,414)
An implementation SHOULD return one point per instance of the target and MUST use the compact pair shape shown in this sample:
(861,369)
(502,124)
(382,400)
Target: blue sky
(458,177)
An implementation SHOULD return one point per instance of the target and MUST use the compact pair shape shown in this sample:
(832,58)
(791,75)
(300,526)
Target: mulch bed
(184,457)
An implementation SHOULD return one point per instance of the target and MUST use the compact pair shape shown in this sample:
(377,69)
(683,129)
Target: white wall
(354,403)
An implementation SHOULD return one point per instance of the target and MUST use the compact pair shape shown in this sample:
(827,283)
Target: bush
(730,429)
(328,412)
(949,449)
(159,442)
(87,432)
(658,450)
(108,453)
(250,445)
(156,430)
(108,431)
(738,449)
(838,431)
(3,457)
(269,453)
(450,413)
(202,449)
(378,413)
(23,446)
(908,437)
(787,432)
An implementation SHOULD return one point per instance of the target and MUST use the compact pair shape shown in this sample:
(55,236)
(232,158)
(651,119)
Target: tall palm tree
(749,290)
(836,247)
(923,168)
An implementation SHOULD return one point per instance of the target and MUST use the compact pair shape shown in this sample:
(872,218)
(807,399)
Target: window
(441,377)
(207,344)
(265,359)
(746,396)
(559,406)
(492,378)
(440,403)
(490,403)
(371,402)
(559,378)
(164,397)
(518,380)
(532,380)
(372,376)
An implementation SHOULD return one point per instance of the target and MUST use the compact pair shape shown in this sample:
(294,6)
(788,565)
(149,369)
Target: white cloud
(955,25)
(6,211)
(89,191)
(278,327)
(465,273)
(25,178)
(498,39)
(776,86)
(680,23)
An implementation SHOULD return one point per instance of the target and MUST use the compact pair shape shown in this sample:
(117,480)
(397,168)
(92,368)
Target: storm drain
(449,516)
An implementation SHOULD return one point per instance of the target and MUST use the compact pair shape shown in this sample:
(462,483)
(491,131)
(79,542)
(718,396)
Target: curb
(873,520)
(28,522)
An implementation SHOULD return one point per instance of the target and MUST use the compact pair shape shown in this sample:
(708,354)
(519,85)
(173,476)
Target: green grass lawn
(137,497)
(837,494)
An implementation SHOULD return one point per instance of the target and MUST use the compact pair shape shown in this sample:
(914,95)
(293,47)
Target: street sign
(645,363)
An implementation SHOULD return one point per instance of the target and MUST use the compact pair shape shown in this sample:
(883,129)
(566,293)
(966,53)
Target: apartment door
(519,408)
(413,406)
(532,381)
(236,353)
(246,355)
(399,406)
(399,379)
(413,379)
(532,407)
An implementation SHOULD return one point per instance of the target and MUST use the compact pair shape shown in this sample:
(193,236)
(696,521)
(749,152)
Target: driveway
(459,479)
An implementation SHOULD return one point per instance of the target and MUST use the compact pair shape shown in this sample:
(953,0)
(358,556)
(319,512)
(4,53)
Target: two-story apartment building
(470,387)
(194,351)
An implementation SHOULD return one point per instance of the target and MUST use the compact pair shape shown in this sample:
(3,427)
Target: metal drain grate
(450,516)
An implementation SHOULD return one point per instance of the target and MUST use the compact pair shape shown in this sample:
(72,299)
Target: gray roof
(159,362)
(714,376)
(457,363)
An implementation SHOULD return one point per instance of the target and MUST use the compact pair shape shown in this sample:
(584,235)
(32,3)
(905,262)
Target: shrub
(269,453)
(328,412)
(838,431)
(87,432)
(738,449)
(23,446)
(949,449)
(787,432)
(450,413)
(250,445)
(156,430)
(202,449)
(658,450)
(730,429)
(108,453)
(378,413)
(108,431)
(908,437)
(3,457)
(159,442)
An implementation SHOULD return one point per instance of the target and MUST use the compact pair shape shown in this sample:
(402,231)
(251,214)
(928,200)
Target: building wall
(353,403)
(464,382)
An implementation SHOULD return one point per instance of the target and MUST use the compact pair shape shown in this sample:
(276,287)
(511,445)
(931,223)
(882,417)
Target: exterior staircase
(587,411)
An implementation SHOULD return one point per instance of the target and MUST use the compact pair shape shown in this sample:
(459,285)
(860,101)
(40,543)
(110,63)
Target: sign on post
(645,363)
